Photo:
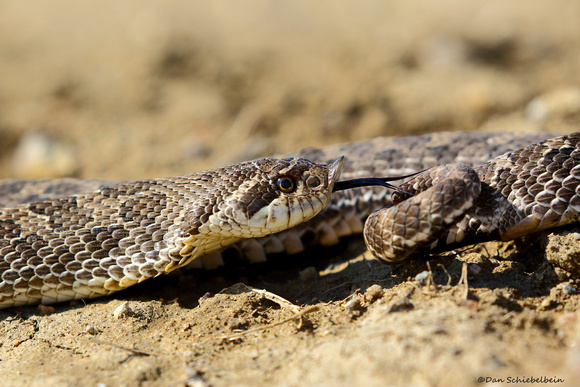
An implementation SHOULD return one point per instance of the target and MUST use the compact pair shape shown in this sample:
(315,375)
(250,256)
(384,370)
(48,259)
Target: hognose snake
(55,247)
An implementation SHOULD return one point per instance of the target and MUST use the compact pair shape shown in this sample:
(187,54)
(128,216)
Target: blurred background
(128,90)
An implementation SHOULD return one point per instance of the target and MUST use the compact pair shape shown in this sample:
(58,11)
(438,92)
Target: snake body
(58,248)
(100,242)
(518,193)
(395,156)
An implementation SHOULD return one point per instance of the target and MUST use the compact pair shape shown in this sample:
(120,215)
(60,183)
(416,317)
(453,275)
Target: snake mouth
(335,169)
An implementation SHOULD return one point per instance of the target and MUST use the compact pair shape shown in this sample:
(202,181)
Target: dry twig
(259,329)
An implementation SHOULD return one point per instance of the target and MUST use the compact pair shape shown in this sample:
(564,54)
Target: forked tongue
(371,181)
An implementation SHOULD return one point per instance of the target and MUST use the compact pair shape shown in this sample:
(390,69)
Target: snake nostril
(313,181)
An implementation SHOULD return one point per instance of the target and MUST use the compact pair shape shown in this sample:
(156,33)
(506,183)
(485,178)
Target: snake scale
(60,242)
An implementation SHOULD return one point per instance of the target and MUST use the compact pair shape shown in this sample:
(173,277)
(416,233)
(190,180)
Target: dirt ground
(111,90)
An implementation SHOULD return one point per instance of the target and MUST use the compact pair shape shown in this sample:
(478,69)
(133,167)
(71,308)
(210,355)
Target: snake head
(281,194)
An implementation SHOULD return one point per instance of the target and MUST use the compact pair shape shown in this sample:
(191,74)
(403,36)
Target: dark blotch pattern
(521,192)
(69,247)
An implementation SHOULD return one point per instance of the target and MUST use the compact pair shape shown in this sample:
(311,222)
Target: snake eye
(285,184)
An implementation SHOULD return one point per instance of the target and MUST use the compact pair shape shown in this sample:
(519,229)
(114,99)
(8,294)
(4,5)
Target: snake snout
(334,172)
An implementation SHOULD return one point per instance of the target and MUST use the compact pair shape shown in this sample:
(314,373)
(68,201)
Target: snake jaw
(261,208)
(257,207)
(292,208)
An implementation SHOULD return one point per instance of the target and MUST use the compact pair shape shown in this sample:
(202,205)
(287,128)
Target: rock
(309,274)
(474,268)
(122,311)
(39,155)
(91,330)
(562,250)
(560,102)
(374,292)
(570,289)
(354,306)
(421,278)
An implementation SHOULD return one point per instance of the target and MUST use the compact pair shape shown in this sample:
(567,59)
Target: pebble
(122,310)
(39,155)
(421,278)
(194,377)
(547,303)
(555,103)
(91,330)
(562,250)
(474,268)
(205,297)
(46,309)
(353,305)
(238,323)
(538,277)
(374,292)
(309,274)
(570,289)
(196,381)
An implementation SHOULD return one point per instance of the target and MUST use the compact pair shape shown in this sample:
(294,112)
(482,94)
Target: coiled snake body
(55,248)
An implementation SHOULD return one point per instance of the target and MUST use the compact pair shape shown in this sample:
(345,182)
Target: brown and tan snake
(58,242)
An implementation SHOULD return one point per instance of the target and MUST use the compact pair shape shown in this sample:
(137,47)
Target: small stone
(547,303)
(238,323)
(205,297)
(196,381)
(422,277)
(570,289)
(40,155)
(537,277)
(309,274)
(190,370)
(562,250)
(374,292)
(353,305)
(560,102)
(91,330)
(122,310)
(194,376)
(474,268)
(43,309)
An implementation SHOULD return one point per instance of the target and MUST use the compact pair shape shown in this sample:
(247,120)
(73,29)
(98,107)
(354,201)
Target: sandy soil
(114,90)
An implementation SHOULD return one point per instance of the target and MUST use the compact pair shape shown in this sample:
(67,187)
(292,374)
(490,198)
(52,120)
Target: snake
(66,239)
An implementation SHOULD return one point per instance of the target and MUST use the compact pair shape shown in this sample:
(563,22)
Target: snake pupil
(285,184)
